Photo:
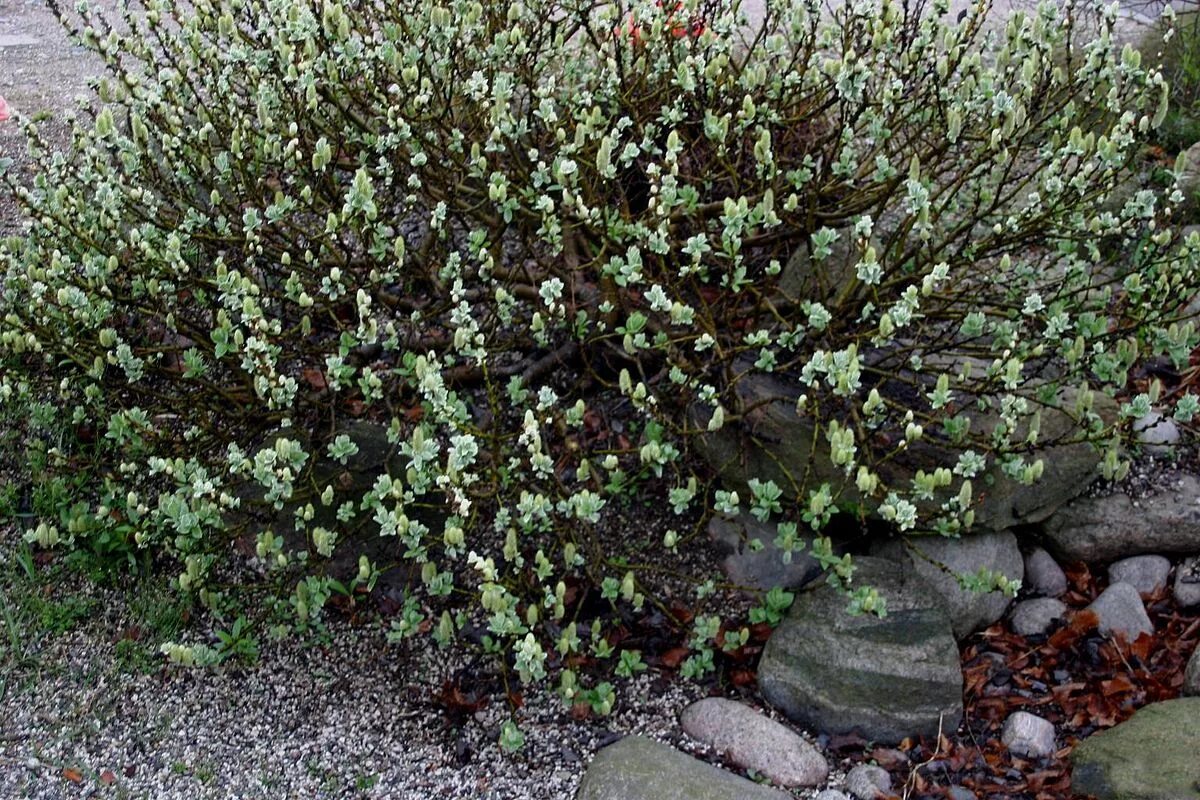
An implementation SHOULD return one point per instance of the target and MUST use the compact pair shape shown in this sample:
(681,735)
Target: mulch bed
(1076,678)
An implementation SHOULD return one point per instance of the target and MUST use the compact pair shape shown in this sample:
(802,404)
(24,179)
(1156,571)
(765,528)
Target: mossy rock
(1153,755)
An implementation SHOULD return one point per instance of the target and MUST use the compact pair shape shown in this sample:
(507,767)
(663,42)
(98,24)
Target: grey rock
(1191,675)
(763,568)
(1036,616)
(1043,575)
(1112,527)
(886,678)
(1150,756)
(1028,735)
(638,768)
(867,782)
(1147,574)
(925,556)
(961,793)
(830,794)
(1157,434)
(349,481)
(804,278)
(1187,582)
(1121,611)
(754,741)
(775,443)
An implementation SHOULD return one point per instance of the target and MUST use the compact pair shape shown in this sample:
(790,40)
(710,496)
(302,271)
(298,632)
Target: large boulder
(1150,756)
(885,678)
(1115,526)
(638,768)
(775,443)
(937,560)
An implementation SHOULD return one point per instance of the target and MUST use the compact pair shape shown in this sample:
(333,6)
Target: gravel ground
(348,717)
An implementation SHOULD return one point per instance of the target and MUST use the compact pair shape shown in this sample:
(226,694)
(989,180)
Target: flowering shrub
(494,228)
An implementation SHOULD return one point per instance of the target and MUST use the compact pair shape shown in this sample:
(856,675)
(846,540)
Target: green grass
(39,604)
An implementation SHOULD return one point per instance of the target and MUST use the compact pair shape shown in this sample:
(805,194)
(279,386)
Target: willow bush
(491,227)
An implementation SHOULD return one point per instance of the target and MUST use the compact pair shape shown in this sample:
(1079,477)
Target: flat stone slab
(754,741)
(1112,527)
(1153,755)
(638,768)
(884,678)
(17,40)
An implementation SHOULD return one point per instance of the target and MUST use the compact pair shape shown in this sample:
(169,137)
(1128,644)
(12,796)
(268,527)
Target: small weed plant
(503,231)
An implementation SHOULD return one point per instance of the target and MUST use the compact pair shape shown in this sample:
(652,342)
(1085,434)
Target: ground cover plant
(543,245)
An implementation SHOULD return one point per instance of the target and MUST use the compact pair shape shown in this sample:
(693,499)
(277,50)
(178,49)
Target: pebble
(1043,575)
(1028,735)
(1191,675)
(1147,574)
(1157,433)
(830,794)
(1036,616)
(961,793)
(1187,582)
(868,782)
(1120,611)
(755,741)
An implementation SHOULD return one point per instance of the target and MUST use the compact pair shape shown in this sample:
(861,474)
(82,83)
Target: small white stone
(868,782)
(1025,734)
(1157,433)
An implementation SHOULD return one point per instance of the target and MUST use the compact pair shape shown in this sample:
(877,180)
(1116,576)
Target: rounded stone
(830,794)
(1028,735)
(1036,616)
(1187,582)
(1147,574)
(961,793)
(1156,433)
(639,768)
(754,741)
(1043,575)
(885,678)
(1119,610)
(1191,675)
(868,782)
